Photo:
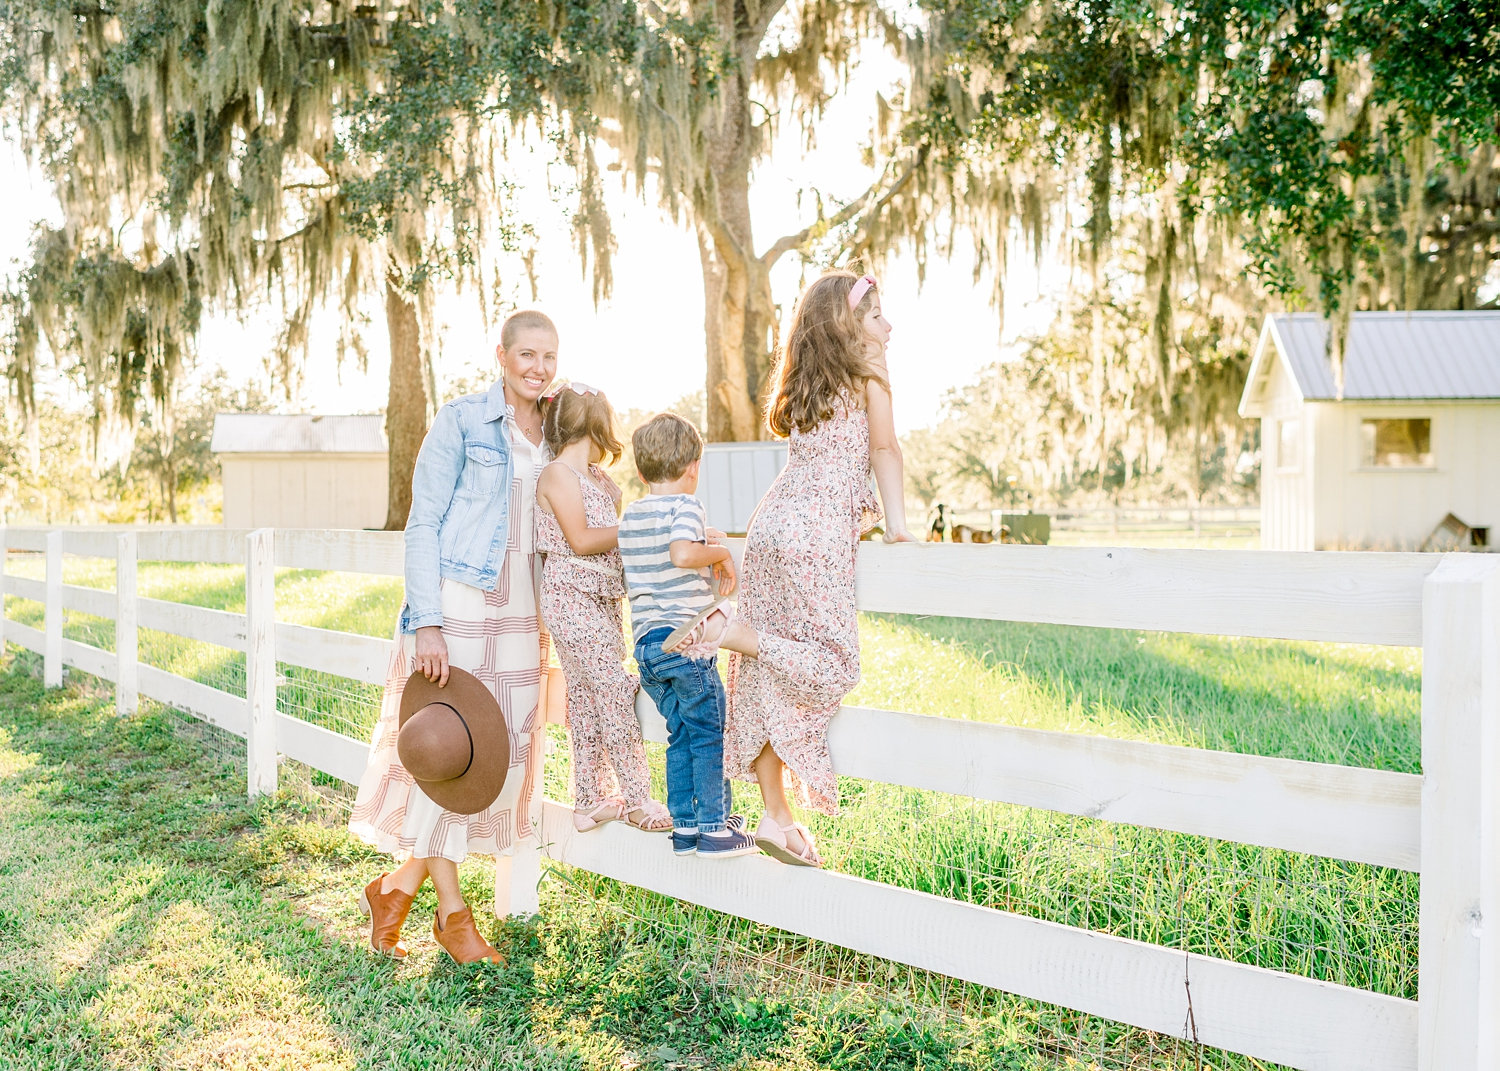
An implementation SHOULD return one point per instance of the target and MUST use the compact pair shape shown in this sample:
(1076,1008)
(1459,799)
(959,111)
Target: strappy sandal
(703,645)
(686,632)
(654,818)
(608,811)
(770,837)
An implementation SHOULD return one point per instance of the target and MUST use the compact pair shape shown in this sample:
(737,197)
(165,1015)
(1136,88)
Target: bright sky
(644,347)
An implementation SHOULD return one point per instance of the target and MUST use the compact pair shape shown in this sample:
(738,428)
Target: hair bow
(576,388)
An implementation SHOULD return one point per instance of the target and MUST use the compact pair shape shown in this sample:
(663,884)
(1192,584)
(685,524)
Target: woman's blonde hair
(517,322)
(824,355)
(568,416)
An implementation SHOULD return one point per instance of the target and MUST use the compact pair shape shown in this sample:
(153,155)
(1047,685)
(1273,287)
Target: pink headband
(859,290)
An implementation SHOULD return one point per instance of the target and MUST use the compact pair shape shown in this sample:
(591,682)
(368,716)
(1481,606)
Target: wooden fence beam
(1458,1028)
(52,661)
(126,648)
(260,661)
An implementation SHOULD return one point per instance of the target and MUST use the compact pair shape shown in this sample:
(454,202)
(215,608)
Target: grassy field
(611,957)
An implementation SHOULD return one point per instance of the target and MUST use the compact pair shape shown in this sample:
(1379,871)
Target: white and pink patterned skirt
(497,636)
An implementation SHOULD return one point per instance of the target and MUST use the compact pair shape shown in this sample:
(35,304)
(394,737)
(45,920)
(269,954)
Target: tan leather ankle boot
(387,913)
(460,938)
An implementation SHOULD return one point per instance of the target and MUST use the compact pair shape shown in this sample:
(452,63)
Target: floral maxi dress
(797,592)
(581,605)
(497,636)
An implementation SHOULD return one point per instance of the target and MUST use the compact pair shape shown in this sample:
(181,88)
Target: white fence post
(126,650)
(52,666)
(1459,940)
(517,876)
(260,660)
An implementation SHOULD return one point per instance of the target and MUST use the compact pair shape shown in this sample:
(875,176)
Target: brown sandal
(460,938)
(387,913)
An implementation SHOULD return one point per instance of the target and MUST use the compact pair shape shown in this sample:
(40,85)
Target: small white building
(734,477)
(298,470)
(1414,436)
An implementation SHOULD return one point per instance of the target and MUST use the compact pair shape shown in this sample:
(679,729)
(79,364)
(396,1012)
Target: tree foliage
(1224,156)
(253,154)
(50,470)
(686,97)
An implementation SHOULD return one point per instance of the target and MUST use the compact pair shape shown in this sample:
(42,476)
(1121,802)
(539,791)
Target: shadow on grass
(1319,703)
(211,921)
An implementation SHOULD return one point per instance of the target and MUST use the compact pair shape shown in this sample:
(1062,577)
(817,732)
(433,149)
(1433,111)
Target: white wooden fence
(1443,824)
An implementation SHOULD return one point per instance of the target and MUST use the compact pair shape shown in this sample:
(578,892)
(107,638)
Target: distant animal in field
(963,533)
(939,526)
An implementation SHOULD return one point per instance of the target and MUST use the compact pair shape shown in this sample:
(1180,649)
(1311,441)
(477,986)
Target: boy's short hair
(664,447)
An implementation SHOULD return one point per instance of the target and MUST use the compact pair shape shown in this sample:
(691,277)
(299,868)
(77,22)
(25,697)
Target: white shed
(298,470)
(1414,436)
(734,477)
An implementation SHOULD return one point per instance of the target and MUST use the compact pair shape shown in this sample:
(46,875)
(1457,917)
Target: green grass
(1343,922)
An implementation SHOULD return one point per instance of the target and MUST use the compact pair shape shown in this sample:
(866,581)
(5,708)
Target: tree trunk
(170,489)
(739,318)
(407,404)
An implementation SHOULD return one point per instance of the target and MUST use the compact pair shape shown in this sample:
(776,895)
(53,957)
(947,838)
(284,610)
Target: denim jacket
(460,504)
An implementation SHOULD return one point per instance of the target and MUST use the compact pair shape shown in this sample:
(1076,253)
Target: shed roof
(1389,356)
(298,433)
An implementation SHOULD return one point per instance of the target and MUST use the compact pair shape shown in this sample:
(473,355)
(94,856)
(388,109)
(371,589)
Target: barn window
(1402,443)
(1289,444)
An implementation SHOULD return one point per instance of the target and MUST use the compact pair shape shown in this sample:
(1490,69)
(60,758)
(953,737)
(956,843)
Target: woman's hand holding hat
(431,656)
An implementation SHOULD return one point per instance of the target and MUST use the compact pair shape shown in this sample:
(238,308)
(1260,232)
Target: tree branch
(757,29)
(866,204)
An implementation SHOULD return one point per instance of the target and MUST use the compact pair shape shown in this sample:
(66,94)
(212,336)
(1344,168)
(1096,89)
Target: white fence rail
(1443,824)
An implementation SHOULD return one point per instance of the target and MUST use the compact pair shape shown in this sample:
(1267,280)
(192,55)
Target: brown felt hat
(453,741)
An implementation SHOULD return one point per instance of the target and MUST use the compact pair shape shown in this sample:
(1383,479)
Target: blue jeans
(690,696)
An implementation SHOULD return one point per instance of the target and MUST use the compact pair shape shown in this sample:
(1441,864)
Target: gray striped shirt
(662,594)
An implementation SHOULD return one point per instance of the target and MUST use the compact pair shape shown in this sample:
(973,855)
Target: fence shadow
(181,897)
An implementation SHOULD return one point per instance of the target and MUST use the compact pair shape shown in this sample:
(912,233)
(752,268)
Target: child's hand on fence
(431,658)
(714,536)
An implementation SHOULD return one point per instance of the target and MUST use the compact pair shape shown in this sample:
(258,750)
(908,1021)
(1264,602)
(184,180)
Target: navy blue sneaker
(687,843)
(684,843)
(733,842)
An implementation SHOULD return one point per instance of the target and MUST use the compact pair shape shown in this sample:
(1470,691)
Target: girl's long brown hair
(824,356)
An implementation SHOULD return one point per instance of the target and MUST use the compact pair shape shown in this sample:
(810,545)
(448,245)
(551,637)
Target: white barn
(1414,437)
(299,470)
(734,477)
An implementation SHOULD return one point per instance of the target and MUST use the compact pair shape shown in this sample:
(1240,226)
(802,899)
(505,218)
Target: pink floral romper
(797,592)
(580,602)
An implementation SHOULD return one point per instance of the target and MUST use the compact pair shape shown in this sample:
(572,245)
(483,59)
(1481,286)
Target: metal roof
(1396,355)
(298,433)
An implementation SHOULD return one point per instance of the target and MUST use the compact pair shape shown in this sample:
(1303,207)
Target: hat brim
(482,783)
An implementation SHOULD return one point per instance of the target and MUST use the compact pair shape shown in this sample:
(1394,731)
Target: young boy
(668,561)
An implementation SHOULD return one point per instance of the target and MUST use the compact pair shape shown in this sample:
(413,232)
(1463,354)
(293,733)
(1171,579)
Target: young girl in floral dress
(796,633)
(577,526)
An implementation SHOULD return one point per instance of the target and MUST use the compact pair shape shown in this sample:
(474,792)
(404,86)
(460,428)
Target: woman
(470,602)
